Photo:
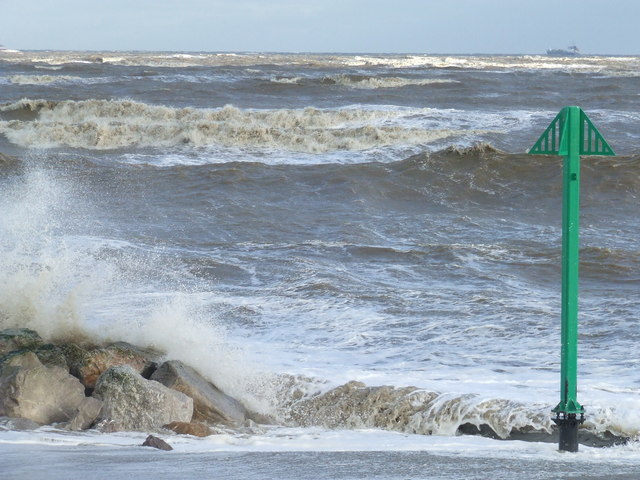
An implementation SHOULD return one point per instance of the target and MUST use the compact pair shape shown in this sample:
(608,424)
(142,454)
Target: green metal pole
(570,134)
(568,409)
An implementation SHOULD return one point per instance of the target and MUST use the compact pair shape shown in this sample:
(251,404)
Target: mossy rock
(51,356)
(17,338)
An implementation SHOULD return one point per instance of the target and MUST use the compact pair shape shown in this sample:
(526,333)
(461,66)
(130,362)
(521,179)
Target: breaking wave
(43,79)
(412,410)
(364,82)
(111,124)
(418,411)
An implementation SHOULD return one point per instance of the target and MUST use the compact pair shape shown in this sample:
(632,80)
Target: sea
(300,226)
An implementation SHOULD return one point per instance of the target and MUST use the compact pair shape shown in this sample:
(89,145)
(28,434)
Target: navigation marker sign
(570,134)
(554,140)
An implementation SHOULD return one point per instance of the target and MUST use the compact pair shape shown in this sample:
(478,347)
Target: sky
(347,26)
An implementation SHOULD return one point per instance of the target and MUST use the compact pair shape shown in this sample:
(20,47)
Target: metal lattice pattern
(554,140)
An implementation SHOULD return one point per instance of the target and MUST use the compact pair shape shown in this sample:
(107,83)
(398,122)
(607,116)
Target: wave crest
(363,82)
(111,124)
(42,79)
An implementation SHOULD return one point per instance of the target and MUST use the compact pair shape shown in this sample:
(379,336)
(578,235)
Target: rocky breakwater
(115,387)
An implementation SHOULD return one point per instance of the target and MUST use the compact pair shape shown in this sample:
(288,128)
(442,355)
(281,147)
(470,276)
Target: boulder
(30,390)
(49,355)
(209,403)
(16,338)
(191,428)
(87,413)
(133,403)
(89,364)
(156,442)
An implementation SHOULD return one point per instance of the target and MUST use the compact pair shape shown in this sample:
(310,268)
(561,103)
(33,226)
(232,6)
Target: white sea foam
(365,83)
(388,82)
(52,79)
(287,80)
(281,439)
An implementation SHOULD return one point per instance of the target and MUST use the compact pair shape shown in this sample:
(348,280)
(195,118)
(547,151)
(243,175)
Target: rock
(86,415)
(8,423)
(49,355)
(191,428)
(209,403)
(134,403)
(30,390)
(20,358)
(7,159)
(16,338)
(88,365)
(156,442)
(355,405)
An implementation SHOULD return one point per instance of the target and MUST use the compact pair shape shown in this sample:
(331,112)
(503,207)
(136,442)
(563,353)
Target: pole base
(568,423)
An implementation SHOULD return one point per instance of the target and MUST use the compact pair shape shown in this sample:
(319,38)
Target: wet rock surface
(155,442)
(133,403)
(210,404)
(30,390)
(80,386)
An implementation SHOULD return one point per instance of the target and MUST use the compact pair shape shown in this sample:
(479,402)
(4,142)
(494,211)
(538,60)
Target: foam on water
(364,82)
(45,79)
(325,440)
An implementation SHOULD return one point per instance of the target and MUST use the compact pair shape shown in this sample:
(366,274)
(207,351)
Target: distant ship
(562,52)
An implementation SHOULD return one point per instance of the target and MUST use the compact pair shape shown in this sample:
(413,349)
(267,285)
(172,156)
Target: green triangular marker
(555,139)
(570,134)
(591,141)
(549,141)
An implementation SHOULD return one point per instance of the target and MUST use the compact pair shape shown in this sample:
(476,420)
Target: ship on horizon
(570,51)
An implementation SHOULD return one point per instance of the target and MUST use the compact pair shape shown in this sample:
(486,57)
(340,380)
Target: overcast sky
(412,26)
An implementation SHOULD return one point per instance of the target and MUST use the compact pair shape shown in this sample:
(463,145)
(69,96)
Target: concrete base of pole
(568,425)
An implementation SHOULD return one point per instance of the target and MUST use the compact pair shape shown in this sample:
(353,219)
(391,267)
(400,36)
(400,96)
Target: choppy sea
(288,223)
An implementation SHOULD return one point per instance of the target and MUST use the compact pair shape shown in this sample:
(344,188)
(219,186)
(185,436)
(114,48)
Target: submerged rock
(7,159)
(355,405)
(30,390)
(17,338)
(209,403)
(134,403)
(156,442)
(20,424)
(413,410)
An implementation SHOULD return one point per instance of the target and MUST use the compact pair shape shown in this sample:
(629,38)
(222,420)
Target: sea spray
(70,290)
(40,285)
